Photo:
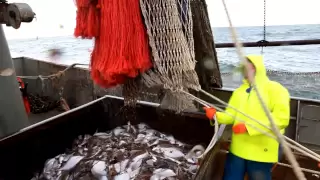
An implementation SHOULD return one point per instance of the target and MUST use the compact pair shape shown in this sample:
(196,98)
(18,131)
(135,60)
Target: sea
(296,67)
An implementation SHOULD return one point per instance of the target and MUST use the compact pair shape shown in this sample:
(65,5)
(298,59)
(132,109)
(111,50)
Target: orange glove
(210,112)
(239,128)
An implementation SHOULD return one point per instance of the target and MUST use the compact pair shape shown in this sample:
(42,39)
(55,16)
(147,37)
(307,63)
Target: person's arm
(280,112)
(224,117)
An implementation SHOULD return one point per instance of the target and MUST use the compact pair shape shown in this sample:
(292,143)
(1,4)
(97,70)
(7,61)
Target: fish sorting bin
(25,153)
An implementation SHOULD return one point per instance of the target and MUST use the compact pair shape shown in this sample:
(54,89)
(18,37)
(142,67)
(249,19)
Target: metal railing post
(13,116)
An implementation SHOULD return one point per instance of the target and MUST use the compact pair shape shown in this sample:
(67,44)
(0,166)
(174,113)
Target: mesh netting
(41,104)
(63,88)
(170,31)
(205,52)
(171,38)
(169,27)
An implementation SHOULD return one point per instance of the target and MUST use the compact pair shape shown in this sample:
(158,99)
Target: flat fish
(103,178)
(155,177)
(150,162)
(163,173)
(134,173)
(99,169)
(171,139)
(124,176)
(118,131)
(102,135)
(119,154)
(137,161)
(122,143)
(153,143)
(194,153)
(140,138)
(71,163)
(50,164)
(169,152)
(117,167)
(142,126)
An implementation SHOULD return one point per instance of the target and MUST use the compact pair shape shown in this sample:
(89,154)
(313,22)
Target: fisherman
(251,152)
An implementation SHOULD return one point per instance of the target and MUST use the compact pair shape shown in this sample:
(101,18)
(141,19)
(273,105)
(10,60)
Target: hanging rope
(121,49)
(251,79)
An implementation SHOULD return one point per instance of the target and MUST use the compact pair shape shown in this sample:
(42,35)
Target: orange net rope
(121,48)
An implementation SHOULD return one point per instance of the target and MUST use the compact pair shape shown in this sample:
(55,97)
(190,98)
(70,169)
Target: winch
(13,14)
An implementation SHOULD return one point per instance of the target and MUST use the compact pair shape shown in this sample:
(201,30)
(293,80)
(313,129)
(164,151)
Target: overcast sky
(53,13)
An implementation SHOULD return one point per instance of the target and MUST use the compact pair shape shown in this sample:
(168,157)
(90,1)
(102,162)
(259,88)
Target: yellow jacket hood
(261,72)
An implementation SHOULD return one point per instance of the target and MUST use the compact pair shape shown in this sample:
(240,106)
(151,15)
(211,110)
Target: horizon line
(71,34)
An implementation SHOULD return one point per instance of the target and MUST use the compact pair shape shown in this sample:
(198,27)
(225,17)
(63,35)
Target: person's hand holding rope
(239,128)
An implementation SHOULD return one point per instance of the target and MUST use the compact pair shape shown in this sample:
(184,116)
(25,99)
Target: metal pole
(13,116)
(271,43)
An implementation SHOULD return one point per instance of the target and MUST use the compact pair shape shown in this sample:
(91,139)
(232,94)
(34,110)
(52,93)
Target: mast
(13,116)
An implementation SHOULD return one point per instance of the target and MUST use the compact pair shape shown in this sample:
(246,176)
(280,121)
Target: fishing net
(45,93)
(41,104)
(205,52)
(170,31)
(58,88)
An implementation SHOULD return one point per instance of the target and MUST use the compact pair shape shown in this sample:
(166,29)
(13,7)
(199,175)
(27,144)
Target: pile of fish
(125,153)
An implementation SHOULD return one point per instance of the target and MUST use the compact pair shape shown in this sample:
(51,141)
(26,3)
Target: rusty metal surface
(271,43)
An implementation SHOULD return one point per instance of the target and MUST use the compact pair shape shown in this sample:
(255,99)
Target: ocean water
(281,59)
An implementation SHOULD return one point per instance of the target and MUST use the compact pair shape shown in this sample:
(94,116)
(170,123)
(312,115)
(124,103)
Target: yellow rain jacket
(253,145)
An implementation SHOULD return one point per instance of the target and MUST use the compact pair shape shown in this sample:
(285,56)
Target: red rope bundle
(121,48)
(87,25)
